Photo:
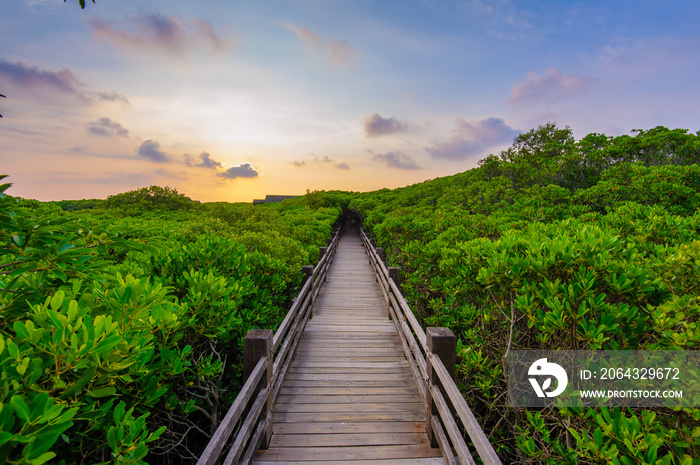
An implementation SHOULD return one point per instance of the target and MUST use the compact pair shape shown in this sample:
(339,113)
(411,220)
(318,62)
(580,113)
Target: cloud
(150,149)
(397,160)
(376,126)
(107,128)
(156,33)
(338,52)
(32,78)
(304,34)
(64,81)
(110,96)
(244,170)
(317,160)
(550,85)
(473,139)
(207,161)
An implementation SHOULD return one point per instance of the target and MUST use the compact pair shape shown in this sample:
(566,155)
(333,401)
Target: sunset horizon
(234,103)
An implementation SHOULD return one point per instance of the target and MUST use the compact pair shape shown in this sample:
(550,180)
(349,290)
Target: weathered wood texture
(349,394)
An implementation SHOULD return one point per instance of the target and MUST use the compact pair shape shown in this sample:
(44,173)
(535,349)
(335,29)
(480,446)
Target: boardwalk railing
(429,356)
(248,423)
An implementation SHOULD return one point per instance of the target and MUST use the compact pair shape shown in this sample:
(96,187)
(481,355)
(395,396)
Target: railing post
(258,344)
(382,254)
(308,270)
(395,274)
(442,343)
(322,251)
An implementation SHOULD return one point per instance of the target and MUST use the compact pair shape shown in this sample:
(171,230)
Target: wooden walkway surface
(349,395)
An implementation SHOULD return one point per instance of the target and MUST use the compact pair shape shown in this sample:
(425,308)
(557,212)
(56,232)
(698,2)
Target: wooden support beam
(256,345)
(382,254)
(395,274)
(442,343)
(308,270)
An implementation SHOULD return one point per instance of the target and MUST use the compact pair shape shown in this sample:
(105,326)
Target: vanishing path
(349,394)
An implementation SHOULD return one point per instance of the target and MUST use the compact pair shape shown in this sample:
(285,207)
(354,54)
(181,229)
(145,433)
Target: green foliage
(121,328)
(558,244)
(148,199)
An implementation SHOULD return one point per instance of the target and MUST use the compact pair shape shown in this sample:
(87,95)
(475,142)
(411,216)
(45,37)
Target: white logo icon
(542,368)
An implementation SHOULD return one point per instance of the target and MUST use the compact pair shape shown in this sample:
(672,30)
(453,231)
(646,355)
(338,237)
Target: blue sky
(234,100)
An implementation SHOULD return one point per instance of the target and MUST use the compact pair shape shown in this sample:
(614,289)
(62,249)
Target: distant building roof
(273,198)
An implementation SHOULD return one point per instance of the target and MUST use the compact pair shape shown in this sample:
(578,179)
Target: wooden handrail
(252,430)
(440,394)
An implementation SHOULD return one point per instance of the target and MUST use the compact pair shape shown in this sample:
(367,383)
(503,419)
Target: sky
(233,100)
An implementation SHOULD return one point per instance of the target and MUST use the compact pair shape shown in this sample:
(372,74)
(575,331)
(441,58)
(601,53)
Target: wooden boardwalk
(349,395)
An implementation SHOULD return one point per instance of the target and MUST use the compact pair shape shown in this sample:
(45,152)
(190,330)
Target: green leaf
(113,439)
(156,434)
(20,329)
(102,392)
(598,438)
(107,343)
(43,458)
(57,301)
(21,407)
(4,437)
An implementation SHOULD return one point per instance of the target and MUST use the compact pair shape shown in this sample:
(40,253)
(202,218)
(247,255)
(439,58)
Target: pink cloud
(550,85)
(156,33)
(376,126)
(338,52)
(33,79)
(473,139)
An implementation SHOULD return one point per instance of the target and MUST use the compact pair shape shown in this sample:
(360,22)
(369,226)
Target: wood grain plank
(350,439)
(306,417)
(349,399)
(404,461)
(349,391)
(357,407)
(349,453)
(350,427)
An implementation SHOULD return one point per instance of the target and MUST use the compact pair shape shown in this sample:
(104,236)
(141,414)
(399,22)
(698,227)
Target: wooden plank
(350,427)
(348,453)
(351,358)
(356,439)
(312,327)
(347,371)
(357,407)
(404,461)
(348,384)
(306,417)
(348,377)
(349,399)
(349,391)
(339,364)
